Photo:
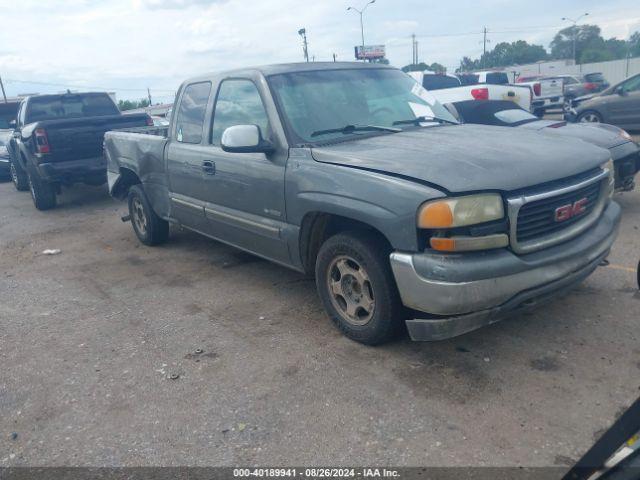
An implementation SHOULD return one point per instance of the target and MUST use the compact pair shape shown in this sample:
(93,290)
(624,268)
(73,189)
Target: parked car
(579,85)
(624,151)
(58,141)
(354,173)
(618,105)
(8,112)
(446,89)
(5,159)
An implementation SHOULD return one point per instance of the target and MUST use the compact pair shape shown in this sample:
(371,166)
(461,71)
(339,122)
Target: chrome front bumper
(462,292)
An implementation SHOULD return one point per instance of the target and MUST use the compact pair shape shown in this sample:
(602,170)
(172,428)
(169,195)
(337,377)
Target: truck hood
(602,135)
(466,158)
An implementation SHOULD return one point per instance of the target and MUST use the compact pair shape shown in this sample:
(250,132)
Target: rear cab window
(594,77)
(497,78)
(438,82)
(191,112)
(56,107)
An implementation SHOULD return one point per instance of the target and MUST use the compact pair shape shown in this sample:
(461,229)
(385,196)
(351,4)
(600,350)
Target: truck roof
(276,69)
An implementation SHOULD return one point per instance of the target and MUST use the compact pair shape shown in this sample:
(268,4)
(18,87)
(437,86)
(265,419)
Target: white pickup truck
(548,93)
(449,89)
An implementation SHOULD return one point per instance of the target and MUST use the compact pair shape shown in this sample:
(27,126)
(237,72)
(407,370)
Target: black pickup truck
(57,140)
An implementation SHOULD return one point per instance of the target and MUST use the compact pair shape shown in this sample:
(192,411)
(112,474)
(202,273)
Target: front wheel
(148,226)
(18,176)
(590,116)
(566,105)
(357,287)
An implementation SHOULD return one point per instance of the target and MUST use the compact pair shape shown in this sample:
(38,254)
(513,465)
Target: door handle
(209,167)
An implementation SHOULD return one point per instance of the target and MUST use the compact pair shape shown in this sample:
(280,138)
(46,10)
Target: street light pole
(361,12)
(303,33)
(575,32)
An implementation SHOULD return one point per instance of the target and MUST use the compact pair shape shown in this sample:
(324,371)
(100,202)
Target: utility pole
(413,49)
(303,33)
(149,95)
(334,57)
(417,56)
(485,40)
(3,92)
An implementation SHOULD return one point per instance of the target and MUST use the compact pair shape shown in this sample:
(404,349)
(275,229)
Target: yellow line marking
(621,267)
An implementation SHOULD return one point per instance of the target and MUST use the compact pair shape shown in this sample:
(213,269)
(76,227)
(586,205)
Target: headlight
(461,211)
(624,134)
(609,166)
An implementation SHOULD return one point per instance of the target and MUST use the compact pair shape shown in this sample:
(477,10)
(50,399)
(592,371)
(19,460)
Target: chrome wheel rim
(590,118)
(139,218)
(350,290)
(31,188)
(14,173)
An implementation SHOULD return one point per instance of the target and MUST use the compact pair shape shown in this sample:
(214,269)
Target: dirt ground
(91,338)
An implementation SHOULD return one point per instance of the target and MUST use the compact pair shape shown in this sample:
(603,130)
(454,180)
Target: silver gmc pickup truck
(355,174)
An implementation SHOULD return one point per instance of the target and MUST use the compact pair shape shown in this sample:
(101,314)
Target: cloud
(129,45)
(172,4)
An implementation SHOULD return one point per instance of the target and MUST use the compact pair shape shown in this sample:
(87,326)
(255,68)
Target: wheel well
(318,226)
(128,178)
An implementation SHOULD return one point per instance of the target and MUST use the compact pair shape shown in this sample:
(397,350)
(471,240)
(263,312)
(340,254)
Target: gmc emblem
(565,212)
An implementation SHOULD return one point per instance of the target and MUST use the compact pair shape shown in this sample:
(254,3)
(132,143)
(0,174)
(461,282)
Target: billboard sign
(368,52)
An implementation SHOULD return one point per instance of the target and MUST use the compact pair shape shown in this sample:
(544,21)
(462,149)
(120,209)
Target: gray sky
(127,45)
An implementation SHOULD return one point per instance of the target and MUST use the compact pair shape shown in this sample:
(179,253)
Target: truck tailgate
(550,88)
(82,138)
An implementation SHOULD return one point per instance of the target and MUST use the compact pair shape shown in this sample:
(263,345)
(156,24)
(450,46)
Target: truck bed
(81,138)
(139,151)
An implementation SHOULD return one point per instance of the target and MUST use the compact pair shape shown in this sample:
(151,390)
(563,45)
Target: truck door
(244,192)
(185,154)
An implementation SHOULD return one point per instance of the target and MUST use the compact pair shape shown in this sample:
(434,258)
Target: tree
(421,67)
(634,44)
(124,105)
(466,65)
(586,36)
(505,54)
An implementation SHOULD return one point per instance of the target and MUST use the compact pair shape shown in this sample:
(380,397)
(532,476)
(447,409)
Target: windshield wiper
(347,129)
(423,118)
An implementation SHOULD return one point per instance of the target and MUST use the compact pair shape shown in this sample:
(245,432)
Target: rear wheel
(18,176)
(43,193)
(590,116)
(357,287)
(148,226)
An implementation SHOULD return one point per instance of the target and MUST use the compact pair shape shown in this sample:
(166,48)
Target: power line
(62,85)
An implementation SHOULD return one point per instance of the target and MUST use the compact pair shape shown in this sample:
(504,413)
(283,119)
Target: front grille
(537,219)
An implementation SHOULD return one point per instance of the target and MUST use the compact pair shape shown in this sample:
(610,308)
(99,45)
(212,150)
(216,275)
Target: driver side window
(238,103)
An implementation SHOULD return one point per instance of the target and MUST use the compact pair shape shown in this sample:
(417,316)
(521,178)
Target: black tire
(539,112)
(43,193)
(590,116)
(147,225)
(18,176)
(371,255)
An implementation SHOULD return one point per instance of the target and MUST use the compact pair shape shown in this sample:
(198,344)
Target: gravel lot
(89,337)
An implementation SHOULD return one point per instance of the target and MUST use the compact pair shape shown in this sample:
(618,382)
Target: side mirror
(245,139)
(621,91)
